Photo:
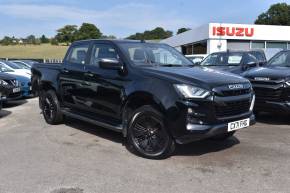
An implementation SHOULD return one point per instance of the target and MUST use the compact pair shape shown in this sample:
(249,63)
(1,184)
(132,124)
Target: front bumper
(196,120)
(272,106)
(26,91)
(9,95)
(200,132)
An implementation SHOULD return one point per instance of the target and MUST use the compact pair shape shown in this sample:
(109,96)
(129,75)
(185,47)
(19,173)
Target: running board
(117,128)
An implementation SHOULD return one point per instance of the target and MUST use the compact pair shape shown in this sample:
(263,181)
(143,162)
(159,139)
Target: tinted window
(259,56)
(223,59)
(281,59)
(78,54)
(103,51)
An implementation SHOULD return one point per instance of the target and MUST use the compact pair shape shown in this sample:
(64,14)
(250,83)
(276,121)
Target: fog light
(190,111)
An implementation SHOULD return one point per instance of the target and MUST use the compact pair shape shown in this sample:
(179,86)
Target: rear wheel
(147,135)
(51,108)
(223,136)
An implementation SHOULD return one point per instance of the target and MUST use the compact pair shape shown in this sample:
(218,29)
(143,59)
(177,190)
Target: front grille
(268,90)
(268,94)
(227,109)
(236,92)
(11,83)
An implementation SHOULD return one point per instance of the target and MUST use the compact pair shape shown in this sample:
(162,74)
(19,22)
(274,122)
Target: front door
(72,76)
(104,87)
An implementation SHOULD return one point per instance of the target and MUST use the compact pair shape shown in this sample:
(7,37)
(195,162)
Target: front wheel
(147,134)
(51,108)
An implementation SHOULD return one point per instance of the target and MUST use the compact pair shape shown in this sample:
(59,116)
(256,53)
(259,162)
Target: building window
(258,45)
(281,45)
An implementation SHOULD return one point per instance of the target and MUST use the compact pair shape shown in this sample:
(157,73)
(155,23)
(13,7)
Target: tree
(277,14)
(66,34)
(88,31)
(6,41)
(44,39)
(31,39)
(109,37)
(181,30)
(155,34)
(54,41)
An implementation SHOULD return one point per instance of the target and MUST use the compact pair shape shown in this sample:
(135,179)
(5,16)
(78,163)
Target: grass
(43,51)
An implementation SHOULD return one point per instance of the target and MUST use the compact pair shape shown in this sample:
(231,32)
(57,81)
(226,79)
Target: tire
(147,135)
(224,136)
(51,108)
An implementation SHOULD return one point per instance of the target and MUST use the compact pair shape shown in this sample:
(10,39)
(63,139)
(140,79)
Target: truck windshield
(150,54)
(223,59)
(280,59)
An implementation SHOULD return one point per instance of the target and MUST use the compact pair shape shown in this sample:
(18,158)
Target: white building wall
(216,46)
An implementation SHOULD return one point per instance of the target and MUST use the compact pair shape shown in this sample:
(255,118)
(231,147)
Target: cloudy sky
(121,18)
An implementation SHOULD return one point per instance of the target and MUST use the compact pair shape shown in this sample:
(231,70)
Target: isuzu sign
(233,31)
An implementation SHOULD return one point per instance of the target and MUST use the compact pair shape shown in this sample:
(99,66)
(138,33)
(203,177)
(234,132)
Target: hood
(232,69)
(272,72)
(208,78)
(4,76)
(20,73)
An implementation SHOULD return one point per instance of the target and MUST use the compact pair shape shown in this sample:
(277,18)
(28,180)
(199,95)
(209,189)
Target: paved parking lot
(78,157)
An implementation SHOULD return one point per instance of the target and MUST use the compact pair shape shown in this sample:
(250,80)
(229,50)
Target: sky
(122,18)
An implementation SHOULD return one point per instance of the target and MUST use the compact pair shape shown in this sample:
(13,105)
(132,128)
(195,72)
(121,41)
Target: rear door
(104,87)
(72,76)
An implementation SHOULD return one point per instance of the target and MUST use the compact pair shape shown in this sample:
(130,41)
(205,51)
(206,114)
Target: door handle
(89,74)
(85,83)
(65,70)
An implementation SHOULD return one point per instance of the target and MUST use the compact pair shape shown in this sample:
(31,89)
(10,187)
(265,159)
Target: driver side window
(103,51)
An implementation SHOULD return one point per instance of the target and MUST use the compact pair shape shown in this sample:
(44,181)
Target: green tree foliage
(109,37)
(44,39)
(31,39)
(88,31)
(6,41)
(181,30)
(277,14)
(54,41)
(155,34)
(66,34)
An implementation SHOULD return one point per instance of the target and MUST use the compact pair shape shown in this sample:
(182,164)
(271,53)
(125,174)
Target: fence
(44,60)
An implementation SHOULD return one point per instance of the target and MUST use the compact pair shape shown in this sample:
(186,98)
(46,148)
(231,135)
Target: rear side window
(78,54)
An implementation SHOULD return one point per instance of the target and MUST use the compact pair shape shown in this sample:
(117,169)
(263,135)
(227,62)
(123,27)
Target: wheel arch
(136,100)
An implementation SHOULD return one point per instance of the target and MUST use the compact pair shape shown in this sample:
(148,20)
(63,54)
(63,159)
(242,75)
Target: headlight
(288,83)
(188,91)
(3,82)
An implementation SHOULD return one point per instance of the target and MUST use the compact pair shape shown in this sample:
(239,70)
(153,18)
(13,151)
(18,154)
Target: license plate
(233,126)
(16,90)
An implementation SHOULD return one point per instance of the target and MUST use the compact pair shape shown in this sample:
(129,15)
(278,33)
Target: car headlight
(3,82)
(188,91)
(288,83)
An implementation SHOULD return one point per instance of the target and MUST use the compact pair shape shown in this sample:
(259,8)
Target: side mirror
(112,64)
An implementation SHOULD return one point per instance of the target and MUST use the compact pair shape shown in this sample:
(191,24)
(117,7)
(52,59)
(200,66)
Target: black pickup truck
(272,84)
(147,91)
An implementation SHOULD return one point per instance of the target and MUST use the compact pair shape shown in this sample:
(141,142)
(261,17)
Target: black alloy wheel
(148,135)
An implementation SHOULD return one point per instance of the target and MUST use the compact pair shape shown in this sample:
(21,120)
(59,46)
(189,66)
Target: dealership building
(215,37)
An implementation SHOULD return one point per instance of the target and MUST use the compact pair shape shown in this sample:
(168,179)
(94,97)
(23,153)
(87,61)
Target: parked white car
(196,58)
(19,72)
(15,69)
